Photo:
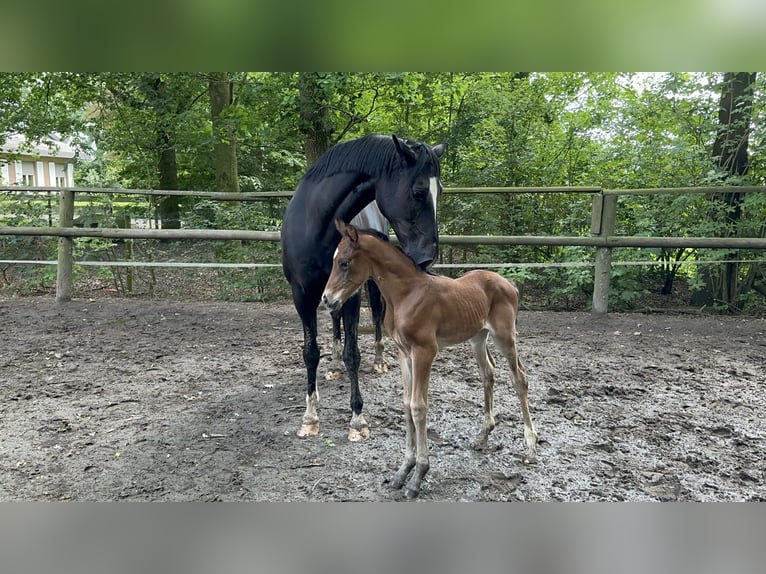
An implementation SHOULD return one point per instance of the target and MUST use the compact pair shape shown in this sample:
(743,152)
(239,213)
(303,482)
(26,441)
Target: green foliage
(614,130)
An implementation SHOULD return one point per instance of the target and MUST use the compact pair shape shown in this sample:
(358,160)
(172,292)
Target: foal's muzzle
(331,305)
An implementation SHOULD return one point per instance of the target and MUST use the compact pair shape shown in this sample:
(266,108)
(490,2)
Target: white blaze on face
(433,186)
(335,255)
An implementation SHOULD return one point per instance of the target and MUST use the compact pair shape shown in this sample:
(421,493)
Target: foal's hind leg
(487,371)
(506,340)
(335,370)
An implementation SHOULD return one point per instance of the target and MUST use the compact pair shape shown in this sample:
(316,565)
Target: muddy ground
(136,399)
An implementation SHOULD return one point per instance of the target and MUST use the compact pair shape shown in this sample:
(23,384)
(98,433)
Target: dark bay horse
(426,312)
(369,218)
(403,177)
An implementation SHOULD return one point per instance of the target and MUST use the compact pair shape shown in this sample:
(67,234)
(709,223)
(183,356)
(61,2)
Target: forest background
(258,131)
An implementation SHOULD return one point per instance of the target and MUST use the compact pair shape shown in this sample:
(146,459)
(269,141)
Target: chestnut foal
(425,312)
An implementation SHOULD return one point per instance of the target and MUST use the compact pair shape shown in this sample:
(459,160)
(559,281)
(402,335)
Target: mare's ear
(439,149)
(404,150)
(340,225)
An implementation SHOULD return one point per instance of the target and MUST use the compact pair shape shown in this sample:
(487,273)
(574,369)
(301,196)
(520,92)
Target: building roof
(51,146)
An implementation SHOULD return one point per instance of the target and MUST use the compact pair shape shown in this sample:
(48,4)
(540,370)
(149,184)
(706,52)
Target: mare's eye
(343,264)
(420,191)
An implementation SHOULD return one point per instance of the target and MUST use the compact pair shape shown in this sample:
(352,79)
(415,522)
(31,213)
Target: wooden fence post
(603,224)
(65,258)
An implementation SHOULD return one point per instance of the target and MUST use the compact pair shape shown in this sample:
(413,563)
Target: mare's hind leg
(506,340)
(308,315)
(358,430)
(487,372)
(377,306)
(335,370)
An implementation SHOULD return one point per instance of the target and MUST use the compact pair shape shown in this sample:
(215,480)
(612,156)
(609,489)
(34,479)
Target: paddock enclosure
(133,399)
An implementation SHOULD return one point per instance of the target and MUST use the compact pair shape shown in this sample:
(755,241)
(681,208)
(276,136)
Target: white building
(47,164)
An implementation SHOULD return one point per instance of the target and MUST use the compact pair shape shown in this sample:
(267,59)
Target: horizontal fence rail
(603,237)
(612,241)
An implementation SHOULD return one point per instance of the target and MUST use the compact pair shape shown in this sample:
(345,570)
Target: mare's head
(408,198)
(350,268)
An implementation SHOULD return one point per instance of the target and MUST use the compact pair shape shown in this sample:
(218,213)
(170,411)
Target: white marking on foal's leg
(310,426)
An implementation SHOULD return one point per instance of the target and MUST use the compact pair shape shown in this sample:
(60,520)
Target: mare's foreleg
(487,372)
(377,307)
(310,421)
(335,370)
(405,364)
(358,430)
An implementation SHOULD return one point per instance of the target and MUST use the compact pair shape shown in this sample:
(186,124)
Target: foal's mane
(383,237)
(373,154)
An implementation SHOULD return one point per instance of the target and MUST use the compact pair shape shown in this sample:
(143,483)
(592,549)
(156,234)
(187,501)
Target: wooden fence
(602,238)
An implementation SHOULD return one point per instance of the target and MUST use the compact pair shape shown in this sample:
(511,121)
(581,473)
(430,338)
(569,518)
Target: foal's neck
(392,270)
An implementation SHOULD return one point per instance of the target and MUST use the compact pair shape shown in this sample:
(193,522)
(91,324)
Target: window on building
(28,179)
(60,181)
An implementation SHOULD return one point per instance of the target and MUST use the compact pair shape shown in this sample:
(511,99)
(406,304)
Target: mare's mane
(373,154)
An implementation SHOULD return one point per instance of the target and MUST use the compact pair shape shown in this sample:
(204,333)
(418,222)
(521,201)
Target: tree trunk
(167,164)
(730,154)
(170,211)
(220,90)
(315,122)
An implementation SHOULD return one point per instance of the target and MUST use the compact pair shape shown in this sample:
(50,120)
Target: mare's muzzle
(423,254)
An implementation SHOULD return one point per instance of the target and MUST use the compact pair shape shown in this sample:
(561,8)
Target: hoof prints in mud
(148,400)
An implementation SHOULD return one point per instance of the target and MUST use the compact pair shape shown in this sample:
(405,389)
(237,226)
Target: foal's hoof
(411,493)
(358,435)
(309,429)
(380,368)
(333,375)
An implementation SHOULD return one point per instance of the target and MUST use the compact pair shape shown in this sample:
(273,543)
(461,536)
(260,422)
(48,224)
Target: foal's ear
(404,150)
(346,229)
(439,149)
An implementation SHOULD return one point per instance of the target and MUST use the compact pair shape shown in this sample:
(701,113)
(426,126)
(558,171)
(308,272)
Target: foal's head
(349,269)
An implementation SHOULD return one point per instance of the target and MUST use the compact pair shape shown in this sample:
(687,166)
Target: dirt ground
(140,399)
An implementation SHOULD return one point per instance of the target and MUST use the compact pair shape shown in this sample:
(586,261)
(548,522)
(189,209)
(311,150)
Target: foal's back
(475,301)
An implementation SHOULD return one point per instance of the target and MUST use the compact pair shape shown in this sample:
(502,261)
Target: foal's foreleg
(422,358)
(358,430)
(405,364)
(487,372)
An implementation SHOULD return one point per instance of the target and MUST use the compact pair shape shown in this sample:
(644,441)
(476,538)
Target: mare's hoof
(333,375)
(380,368)
(358,435)
(309,429)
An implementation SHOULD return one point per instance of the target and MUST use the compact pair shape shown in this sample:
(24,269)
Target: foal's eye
(343,264)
